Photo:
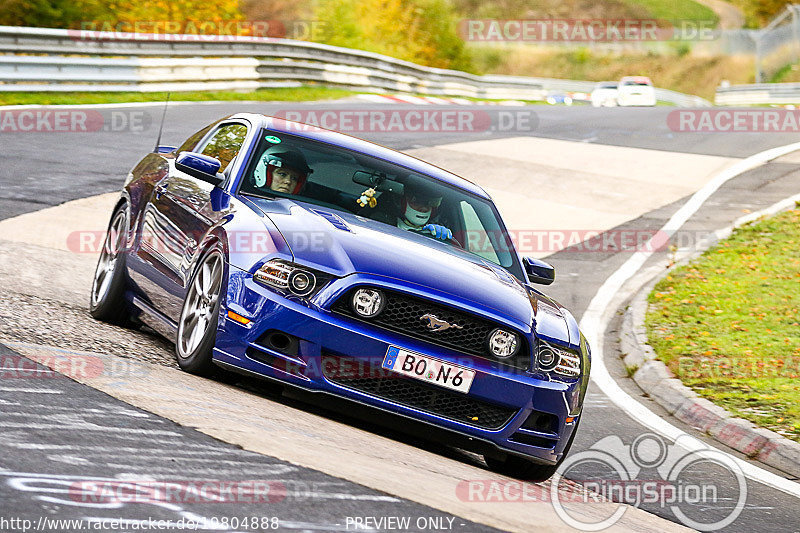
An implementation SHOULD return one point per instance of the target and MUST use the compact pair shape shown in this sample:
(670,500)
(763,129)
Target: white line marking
(346,496)
(57,476)
(69,459)
(262,470)
(108,450)
(594,321)
(18,369)
(238,463)
(35,391)
(89,427)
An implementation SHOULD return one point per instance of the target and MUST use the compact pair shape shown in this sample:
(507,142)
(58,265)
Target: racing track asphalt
(48,169)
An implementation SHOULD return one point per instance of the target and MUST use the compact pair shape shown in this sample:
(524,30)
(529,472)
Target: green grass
(758,13)
(727,324)
(279,94)
(263,95)
(676,10)
(787,74)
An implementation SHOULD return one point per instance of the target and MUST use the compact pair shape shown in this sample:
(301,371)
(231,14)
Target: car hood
(342,243)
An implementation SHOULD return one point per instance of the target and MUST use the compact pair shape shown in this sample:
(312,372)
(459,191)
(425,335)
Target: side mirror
(538,271)
(202,167)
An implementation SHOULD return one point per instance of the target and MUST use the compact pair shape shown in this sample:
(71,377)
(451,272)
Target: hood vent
(336,220)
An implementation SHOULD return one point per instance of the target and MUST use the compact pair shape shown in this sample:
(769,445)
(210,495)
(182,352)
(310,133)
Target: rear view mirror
(538,271)
(202,167)
(377,181)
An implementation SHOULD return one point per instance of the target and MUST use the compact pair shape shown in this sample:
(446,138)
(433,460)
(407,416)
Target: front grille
(402,314)
(411,393)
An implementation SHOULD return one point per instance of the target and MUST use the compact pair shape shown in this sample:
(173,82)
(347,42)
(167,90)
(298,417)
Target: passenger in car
(413,211)
(282,169)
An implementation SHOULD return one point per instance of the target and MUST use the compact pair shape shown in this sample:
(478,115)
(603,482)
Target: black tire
(107,300)
(195,357)
(525,469)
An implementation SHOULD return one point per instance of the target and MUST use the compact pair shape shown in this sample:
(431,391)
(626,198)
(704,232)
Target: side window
(225,143)
(478,239)
(192,141)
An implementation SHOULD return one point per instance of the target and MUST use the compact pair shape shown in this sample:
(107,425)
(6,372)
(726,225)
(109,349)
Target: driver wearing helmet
(282,169)
(417,208)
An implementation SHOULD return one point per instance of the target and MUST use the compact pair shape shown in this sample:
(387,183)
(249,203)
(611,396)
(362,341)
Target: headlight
(503,344)
(368,303)
(557,360)
(275,273)
(288,276)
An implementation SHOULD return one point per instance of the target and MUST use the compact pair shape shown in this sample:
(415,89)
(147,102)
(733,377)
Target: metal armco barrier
(758,93)
(40,59)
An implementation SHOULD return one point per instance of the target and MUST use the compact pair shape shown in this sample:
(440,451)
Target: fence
(758,94)
(37,59)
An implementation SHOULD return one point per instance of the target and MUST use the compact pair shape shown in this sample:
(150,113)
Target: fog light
(503,344)
(302,282)
(368,303)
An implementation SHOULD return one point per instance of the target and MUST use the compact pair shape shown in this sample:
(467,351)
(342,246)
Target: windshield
(287,166)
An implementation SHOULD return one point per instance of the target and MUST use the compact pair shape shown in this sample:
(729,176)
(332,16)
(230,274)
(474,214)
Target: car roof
(362,146)
(637,79)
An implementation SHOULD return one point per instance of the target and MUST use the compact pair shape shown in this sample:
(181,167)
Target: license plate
(428,369)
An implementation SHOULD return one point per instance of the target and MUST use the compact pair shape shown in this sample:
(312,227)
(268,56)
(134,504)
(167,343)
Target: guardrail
(758,94)
(39,59)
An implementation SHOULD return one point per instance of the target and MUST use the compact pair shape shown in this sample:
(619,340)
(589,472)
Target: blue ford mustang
(347,269)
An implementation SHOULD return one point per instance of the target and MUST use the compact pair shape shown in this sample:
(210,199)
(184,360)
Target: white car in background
(604,94)
(636,91)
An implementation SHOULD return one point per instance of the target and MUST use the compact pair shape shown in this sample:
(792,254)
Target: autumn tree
(421,31)
(112,14)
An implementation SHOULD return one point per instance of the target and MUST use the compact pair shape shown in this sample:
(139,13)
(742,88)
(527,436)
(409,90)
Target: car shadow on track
(352,414)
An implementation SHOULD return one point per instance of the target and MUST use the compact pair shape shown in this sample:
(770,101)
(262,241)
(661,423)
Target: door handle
(191,245)
(161,188)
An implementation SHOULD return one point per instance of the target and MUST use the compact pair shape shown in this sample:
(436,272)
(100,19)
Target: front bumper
(325,336)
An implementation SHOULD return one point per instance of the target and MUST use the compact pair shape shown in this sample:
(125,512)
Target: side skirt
(153,318)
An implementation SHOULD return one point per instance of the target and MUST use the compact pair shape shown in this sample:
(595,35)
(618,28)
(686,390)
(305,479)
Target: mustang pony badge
(435,323)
